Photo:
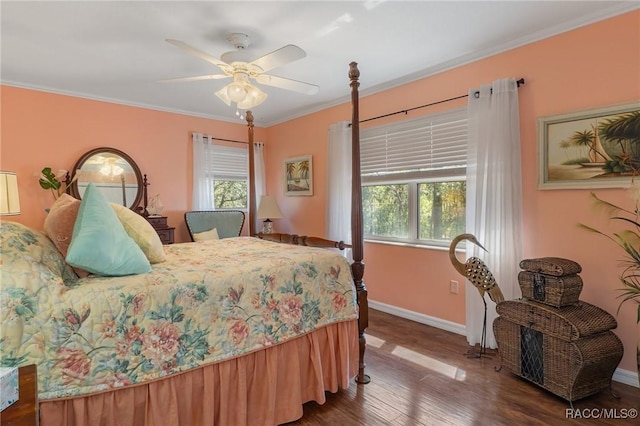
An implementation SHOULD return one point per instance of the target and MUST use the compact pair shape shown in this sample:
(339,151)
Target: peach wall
(304,215)
(43,129)
(572,71)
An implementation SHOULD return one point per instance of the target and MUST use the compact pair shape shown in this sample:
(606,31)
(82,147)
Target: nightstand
(24,412)
(165,232)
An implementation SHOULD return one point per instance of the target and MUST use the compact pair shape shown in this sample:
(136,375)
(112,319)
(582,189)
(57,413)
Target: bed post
(357,267)
(252,178)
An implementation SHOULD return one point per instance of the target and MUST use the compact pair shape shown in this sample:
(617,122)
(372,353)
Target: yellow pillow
(141,231)
(212,234)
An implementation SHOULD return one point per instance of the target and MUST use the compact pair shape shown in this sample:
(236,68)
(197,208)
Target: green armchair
(228,223)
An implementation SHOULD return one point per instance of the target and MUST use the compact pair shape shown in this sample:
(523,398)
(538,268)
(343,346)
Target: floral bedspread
(209,301)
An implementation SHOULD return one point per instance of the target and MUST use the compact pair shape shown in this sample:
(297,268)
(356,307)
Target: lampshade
(236,92)
(9,198)
(224,97)
(268,208)
(254,97)
(243,93)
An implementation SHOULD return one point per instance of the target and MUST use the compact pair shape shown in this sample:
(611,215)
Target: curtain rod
(405,111)
(228,140)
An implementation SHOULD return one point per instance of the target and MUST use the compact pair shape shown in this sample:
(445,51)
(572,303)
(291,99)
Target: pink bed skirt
(267,387)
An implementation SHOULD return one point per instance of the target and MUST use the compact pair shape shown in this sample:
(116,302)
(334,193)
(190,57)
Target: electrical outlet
(453,286)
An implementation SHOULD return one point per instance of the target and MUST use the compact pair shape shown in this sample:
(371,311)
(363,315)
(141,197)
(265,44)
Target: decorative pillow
(211,234)
(142,232)
(58,225)
(31,265)
(100,244)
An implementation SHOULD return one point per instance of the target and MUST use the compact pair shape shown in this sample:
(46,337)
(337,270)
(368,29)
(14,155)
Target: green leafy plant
(629,241)
(56,183)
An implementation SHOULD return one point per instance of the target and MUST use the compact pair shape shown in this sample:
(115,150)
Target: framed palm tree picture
(597,148)
(298,176)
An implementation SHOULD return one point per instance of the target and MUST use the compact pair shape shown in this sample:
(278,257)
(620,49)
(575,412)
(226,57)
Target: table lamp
(9,197)
(267,210)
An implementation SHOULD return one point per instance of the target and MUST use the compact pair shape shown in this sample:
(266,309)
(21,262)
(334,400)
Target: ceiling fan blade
(196,78)
(199,53)
(288,84)
(277,58)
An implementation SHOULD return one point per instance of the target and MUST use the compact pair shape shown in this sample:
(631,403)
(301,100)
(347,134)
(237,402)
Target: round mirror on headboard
(113,172)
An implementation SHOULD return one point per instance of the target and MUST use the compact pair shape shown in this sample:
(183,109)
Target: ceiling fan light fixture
(237,64)
(236,92)
(254,97)
(251,95)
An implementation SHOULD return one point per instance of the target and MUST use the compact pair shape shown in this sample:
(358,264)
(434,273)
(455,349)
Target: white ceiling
(116,51)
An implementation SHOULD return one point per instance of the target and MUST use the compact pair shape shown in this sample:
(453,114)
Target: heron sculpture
(477,272)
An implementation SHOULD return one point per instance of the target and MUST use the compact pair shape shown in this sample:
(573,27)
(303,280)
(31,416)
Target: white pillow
(206,235)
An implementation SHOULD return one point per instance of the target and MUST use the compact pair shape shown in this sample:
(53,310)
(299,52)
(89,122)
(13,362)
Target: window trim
(413,226)
(441,173)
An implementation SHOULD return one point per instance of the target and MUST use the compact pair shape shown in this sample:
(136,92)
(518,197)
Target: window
(229,167)
(414,179)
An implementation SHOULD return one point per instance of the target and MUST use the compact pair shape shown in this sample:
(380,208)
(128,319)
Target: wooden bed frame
(137,404)
(357,267)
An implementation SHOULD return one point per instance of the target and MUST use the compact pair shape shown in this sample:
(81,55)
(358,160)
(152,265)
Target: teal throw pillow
(100,244)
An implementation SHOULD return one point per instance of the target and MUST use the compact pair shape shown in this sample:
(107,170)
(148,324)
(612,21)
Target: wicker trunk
(551,280)
(569,351)
(549,289)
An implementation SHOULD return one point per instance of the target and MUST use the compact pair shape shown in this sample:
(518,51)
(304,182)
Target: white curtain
(260,180)
(339,183)
(494,205)
(202,180)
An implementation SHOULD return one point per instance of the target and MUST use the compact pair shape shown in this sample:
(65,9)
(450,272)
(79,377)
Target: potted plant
(629,241)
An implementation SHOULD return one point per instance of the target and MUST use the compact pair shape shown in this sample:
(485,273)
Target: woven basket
(567,323)
(549,289)
(556,266)
(569,369)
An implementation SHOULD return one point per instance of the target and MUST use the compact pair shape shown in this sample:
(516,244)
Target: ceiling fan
(236,65)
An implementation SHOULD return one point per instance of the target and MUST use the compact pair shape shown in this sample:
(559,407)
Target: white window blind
(228,163)
(430,146)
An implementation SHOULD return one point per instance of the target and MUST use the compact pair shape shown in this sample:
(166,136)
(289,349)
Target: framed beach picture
(298,176)
(598,148)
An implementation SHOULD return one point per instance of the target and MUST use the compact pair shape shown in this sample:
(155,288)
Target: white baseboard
(626,377)
(621,376)
(418,317)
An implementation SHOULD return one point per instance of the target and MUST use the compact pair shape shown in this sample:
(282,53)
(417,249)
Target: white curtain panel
(260,179)
(339,183)
(202,181)
(494,204)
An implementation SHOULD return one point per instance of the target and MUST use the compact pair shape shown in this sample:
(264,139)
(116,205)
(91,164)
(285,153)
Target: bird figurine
(477,272)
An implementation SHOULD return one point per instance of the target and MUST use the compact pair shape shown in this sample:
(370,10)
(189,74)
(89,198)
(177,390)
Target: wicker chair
(228,223)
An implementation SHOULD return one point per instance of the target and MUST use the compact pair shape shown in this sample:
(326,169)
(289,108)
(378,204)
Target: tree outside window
(229,167)
(435,215)
(441,210)
(230,194)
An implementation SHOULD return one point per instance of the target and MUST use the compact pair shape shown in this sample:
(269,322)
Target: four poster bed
(238,331)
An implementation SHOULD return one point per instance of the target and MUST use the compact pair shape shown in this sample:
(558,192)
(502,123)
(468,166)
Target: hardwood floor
(421,375)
